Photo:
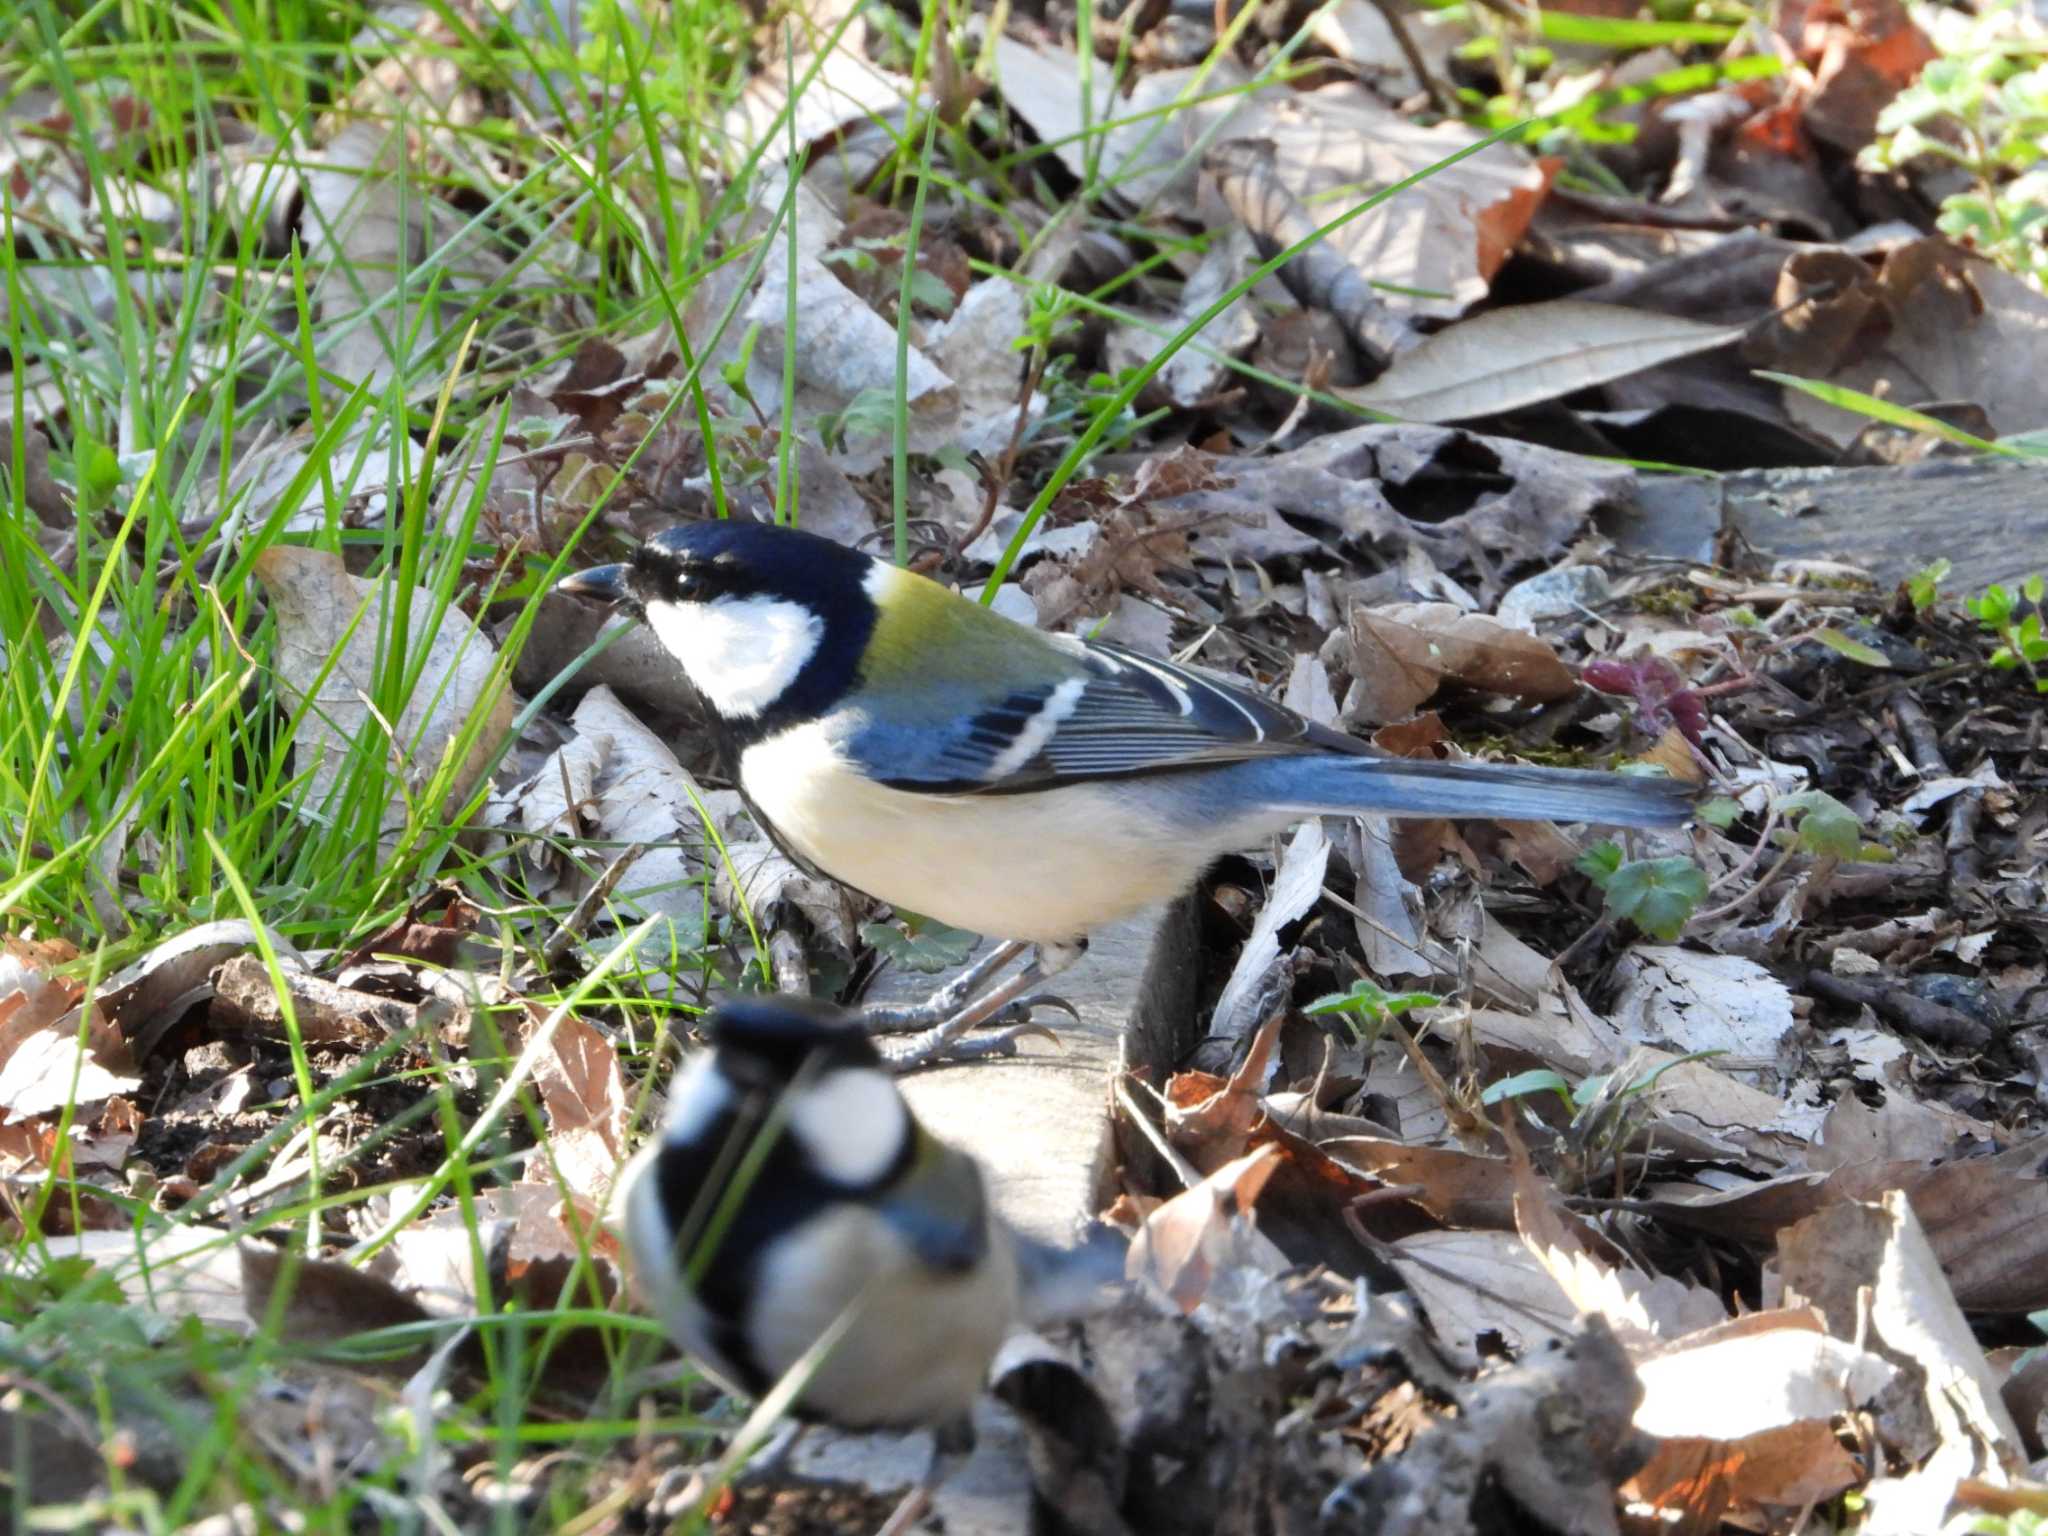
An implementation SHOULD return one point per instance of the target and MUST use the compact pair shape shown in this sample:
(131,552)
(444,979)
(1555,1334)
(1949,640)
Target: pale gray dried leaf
(760,875)
(840,87)
(1445,237)
(1788,1371)
(261,478)
(364,225)
(326,615)
(51,1069)
(1693,1001)
(1297,887)
(1197,371)
(845,351)
(1516,501)
(1509,358)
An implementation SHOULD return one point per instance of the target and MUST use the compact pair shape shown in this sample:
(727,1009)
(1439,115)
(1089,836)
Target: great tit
(920,747)
(792,1191)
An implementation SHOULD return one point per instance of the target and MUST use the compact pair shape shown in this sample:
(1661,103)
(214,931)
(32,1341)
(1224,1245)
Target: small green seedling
(1923,587)
(1658,895)
(1823,826)
(921,945)
(1367,1006)
(2021,644)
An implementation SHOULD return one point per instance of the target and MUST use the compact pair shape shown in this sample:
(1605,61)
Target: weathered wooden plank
(1989,519)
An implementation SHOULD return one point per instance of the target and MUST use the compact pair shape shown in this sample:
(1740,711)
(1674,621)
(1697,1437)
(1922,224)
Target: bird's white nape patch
(697,1097)
(1032,737)
(852,1122)
(881,577)
(741,653)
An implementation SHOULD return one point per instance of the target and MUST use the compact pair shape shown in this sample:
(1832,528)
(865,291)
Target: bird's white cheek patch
(852,1122)
(740,653)
(697,1097)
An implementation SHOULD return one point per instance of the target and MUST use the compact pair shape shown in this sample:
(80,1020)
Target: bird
(793,1213)
(1030,787)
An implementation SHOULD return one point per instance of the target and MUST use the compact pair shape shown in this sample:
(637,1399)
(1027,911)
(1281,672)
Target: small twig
(1920,735)
(1188,1174)
(1965,857)
(1763,841)
(1743,899)
(580,916)
(1926,1020)
(909,1512)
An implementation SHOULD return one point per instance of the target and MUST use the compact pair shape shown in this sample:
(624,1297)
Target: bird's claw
(1019,1010)
(929,1050)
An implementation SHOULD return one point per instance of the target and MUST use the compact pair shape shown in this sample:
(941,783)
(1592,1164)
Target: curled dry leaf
(1745,1414)
(1246,172)
(1405,652)
(51,1069)
(1953,327)
(1202,1232)
(324,614)
(584,1093)
(1444,238)
(1872,1273)
(31,997)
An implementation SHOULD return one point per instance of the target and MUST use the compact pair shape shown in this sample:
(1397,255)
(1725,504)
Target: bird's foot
(944,1004)
(1006,1010)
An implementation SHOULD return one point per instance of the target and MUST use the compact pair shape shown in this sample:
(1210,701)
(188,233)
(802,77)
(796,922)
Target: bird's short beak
(606,583)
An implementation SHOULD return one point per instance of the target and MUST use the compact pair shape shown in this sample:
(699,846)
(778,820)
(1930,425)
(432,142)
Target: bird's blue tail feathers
(1403,786)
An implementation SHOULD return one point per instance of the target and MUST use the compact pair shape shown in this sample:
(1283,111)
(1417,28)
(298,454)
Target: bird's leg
(885,1018)
(942,1041)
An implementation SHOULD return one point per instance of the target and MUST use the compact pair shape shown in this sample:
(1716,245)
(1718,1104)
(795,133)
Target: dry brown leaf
(323,1299)
(1873,1275)
(1692,1483)
(1202,1232)
(1404,652)
(1446,236)
(1861,53)
(1932,323)
(588,1111)
(1460,1189)
(1478,1287)
(31,998)
(1640,1307)
(321,609)
(1986,1218)
(1211,1119)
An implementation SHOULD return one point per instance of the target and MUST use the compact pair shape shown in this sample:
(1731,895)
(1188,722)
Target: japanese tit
(793,1190)
(925,749)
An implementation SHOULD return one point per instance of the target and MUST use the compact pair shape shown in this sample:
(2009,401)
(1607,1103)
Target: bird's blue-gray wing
(1116,714)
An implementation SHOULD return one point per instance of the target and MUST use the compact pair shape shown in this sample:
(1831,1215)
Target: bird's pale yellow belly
(1043,867)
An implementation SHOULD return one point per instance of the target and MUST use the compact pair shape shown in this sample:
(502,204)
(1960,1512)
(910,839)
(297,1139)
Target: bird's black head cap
(766,1041)
(706,562)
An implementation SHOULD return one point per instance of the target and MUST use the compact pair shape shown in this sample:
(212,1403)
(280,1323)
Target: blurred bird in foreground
(792,1196)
